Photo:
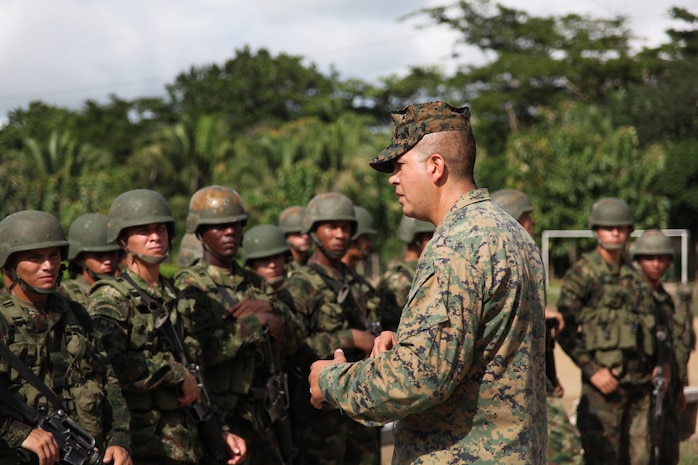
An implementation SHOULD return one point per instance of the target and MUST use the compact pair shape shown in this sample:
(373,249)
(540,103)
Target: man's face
(612,237)
(654,266)
(148,239)
(223,239)
(298,241)
(527,222)
(272,268)
(334,236)
(39,268)
(102,263)
(410,178)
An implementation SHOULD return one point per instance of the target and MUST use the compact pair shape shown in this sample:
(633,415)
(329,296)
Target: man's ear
(436,167)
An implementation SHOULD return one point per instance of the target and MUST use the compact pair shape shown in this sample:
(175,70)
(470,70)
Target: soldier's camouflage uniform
(679,337)
(466,379)
(392,289)
(232,362)
(77,289)
(327,436)
(609,323)
(58,344)
(564,444)
(149,373)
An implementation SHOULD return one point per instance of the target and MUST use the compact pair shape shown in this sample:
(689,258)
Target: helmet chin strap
(93,275)
(331,254)
(606,246)
(214,253)
(17,279)
(149,259)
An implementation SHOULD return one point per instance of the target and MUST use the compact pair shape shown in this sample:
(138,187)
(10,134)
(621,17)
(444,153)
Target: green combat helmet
(214,205)
(291,219)
(512,201)
(652,242)
(264,240)
(364,223)
(410,227)
(88,233)
(611,211)
(190,250)
(330,206)
(138,207)
(30,230)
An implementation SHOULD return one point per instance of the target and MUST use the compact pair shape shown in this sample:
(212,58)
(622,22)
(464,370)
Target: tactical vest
(618,321)
(60,350)
(143,337)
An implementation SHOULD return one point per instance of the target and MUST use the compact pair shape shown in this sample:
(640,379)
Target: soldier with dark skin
(56,340)
(158,388)
(290,221)
(610,317)
(330,299)
(654,253)
(90,256)
(394,285)
(230,315)
(564,444)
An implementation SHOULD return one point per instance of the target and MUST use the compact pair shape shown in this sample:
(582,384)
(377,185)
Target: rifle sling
(349,305)
(29,375)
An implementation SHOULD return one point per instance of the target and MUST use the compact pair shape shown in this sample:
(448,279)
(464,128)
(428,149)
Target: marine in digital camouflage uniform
(331,300)
(156,385)
(654,252)
(464,377)
(231,309)
(394,286)
(610,318)
(90,256)
(56,340)
(564,443)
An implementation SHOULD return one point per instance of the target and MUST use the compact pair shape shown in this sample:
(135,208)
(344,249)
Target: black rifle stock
(658,390)
(77,446)
(202,413)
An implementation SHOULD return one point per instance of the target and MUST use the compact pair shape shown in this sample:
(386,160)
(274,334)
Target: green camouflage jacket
(465,382)
(149,373)
(60,346)
(392,289)
(679,337)
(77,290)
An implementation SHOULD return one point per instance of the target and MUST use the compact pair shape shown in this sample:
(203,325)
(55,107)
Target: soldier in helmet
(266,252)
(654,253)
(361,245)
(157,386)
(609,333)
(395,283)
(235,320)
(564,444)
(331,301)
(91,257)
(190,250)
(290,221)
(55,339)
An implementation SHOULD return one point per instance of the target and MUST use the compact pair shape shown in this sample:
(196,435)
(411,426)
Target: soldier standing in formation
(654,254)
(395,284)
(329,298)
(90,256)
(609,333)
(235,320)
(54,338)
(290,222)
(156,385)
(464,376)
(564,444)
(361,245)
(266,253)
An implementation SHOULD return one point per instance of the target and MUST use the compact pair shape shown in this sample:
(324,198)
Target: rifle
(550,370)
(202,413)
(275,396)
(658,388)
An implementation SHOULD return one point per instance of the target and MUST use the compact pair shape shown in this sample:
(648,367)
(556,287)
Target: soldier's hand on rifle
(386,340)
(190,390)
(605,380)
(237,448)
(44,445)
(117,455)
(666,374)
(557,316)
(247,307)
(277,330)
(363,340)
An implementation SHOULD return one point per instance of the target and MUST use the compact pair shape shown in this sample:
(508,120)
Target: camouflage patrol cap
(414,122)
(512,201)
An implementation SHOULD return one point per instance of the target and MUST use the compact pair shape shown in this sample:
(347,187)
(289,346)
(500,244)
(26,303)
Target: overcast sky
(66,51)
